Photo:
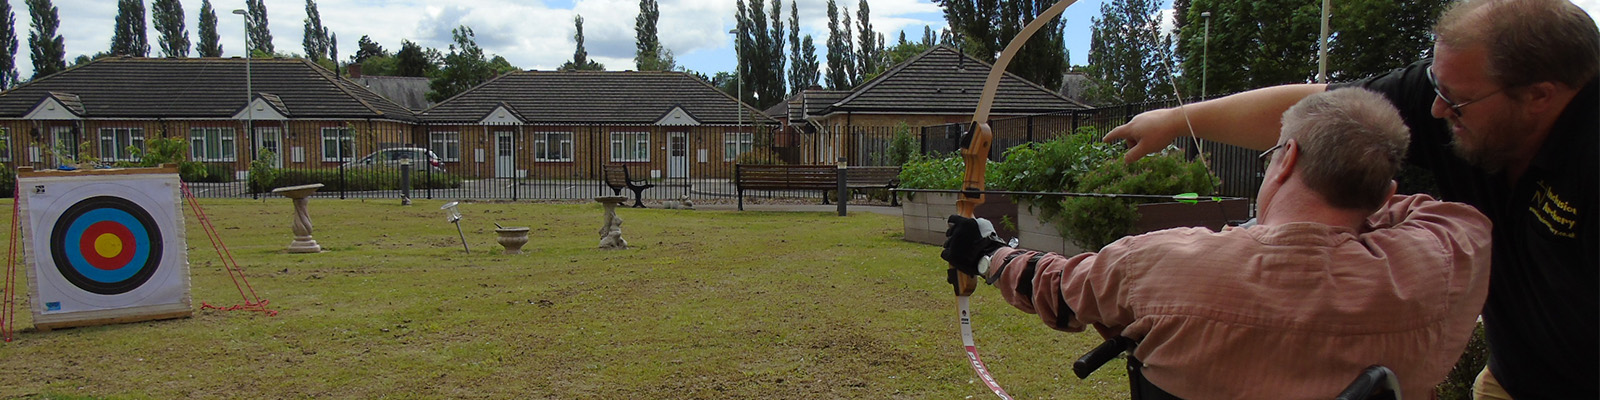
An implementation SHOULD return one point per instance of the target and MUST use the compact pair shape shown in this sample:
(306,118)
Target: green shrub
(358,179)
(903,146)
(1457,384)
(759,156)
(1093,222)
(8,182)
(264,172)
(208,173)
(1052,166)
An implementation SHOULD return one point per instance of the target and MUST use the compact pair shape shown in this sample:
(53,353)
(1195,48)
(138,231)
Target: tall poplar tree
(803,68)
(210,45)
(650,54)
(48,49)
(870,49)
(580,57)
(8,46)
(128,37)
(167,16)
(839,51)
(982,28)
(315,38)
(260,35)
(761,58)
(775,75)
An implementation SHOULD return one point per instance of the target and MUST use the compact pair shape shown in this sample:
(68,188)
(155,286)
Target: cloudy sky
(532,34)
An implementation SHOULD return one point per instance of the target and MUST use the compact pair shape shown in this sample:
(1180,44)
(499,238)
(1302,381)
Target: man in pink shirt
(1338,275)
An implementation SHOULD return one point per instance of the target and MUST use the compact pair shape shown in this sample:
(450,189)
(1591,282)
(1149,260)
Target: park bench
(618,178)
(823,178)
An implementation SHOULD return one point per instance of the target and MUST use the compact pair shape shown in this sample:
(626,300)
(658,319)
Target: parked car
(420,159)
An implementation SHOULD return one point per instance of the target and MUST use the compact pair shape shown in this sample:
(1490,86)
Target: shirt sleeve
(1067,292)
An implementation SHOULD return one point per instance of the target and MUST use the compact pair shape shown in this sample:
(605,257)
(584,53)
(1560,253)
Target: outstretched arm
(1248,119)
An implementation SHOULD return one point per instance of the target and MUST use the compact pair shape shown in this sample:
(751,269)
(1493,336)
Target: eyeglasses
(1267,155)
(1455,107)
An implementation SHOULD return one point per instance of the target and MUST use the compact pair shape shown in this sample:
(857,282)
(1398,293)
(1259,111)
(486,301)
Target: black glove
(967,242)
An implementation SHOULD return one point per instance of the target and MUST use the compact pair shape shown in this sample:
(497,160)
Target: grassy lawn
(707,304)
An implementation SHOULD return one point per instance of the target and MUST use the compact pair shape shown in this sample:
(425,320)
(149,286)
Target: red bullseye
(112,239)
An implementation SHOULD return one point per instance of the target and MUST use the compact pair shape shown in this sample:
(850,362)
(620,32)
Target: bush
(1052,166)
(759,156)
(926,172)
(1457,384)
(358,179)
(903,146)
(1093,222)
(209,173)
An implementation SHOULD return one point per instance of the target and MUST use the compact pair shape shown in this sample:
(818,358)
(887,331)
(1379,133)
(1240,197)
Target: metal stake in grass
(454,215)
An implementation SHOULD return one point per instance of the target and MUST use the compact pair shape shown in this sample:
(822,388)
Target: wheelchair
(1373,383)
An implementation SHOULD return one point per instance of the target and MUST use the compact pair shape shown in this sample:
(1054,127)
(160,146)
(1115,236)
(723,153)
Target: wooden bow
(975,154)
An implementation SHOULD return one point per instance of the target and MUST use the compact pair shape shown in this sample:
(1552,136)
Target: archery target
(101,243)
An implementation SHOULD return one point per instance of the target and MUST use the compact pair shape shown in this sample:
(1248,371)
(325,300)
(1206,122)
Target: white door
(504,154)
(677,155)
(270,139)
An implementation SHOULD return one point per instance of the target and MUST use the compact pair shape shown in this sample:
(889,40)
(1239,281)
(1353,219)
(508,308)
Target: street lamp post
(249,92)
(738,75)
(1205,54)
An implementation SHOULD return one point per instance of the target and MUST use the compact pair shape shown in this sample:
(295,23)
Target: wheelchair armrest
(1102,354)
(1374,382)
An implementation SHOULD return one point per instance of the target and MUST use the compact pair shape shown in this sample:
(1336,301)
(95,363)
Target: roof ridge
(339,84)
(1006,74)
(714,88)
(496,78)
(871,84)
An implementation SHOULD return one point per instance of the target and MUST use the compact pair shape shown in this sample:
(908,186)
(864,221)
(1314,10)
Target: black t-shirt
(1543,313)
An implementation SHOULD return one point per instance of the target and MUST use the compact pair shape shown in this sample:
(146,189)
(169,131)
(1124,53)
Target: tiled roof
(942,80)
(71,101)
(201,88)
(590,97)
(407,91)
(814,101)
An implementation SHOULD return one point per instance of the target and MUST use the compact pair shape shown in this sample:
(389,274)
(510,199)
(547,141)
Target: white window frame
(735,144)
(563,146)
(200,148)
(5,144)
(114,143)
(343,139)
(630,146)
(445,144)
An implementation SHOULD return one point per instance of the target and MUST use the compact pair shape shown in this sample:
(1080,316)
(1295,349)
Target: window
(735,144)
(5,144)
(211,144)
(552,146)
(338,144)
(66,141)
(447,145)
(121,144)
(630,146)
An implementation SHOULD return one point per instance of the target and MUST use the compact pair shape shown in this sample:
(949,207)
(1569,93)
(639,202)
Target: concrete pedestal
(611,232)
(303,243)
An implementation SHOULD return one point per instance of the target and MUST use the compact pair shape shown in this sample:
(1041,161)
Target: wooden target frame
(104,246)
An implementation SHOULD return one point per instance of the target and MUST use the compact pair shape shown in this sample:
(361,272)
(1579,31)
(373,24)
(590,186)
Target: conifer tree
(210,45)
(315,37)
(260,35)
(128,37)
(8,47)
(48,49)
(580,57)
(167,16)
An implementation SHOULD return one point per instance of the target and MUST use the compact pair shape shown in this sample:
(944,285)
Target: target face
(110,245)
(104,245)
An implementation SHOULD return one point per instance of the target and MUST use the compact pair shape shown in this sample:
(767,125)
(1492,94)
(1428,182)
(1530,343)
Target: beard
(1490,147)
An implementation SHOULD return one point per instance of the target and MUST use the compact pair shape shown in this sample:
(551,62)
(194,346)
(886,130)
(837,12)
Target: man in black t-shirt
(1507,117)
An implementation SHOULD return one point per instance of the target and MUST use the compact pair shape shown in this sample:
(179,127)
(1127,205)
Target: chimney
(355,70)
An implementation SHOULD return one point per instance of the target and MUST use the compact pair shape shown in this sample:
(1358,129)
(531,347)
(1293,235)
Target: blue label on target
(52,306)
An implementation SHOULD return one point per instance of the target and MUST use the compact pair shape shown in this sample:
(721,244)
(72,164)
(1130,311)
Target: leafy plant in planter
(1093,222)
(928,172)
(1052,166)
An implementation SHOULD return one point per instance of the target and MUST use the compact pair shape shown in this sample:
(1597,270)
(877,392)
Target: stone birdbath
(512,238)
(303,243)
(611,232)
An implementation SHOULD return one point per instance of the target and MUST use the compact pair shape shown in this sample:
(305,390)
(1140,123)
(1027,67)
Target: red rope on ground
(252,302)
(8,315)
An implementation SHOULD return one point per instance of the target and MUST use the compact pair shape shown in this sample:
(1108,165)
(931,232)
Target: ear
(1287,163)
(1393,188)
(1539,98)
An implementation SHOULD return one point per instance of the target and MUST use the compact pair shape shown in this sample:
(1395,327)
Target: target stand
(104,246)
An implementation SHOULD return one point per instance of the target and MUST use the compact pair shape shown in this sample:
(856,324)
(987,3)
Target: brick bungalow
(300,111)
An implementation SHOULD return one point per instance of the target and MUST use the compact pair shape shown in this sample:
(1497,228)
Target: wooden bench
(874,178)
(618,178)
(822,178)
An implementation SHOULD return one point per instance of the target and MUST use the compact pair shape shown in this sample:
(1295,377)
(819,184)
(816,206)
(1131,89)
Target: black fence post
(843,190)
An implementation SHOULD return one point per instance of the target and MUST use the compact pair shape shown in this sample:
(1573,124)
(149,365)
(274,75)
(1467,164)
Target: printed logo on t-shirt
(1558,215)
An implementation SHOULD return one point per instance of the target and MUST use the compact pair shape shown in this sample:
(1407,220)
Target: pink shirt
(1284,312)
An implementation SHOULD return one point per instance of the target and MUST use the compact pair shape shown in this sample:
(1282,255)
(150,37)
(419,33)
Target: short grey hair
(1529,41)
(1352,143)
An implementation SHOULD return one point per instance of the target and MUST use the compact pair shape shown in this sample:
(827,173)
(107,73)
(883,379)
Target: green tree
(1256,43)
(464,67)
(167,16)
(651,55)
(839,51)
(580,57)
(803,67)
(315,38)
(367,48)
(8,48)
(260,35)
(48,49)
(1127,54)
(210,43)
(128,37)
(776,85)
(869,51)
(984,27)
(413,61)
(1375,36)
(760,55)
